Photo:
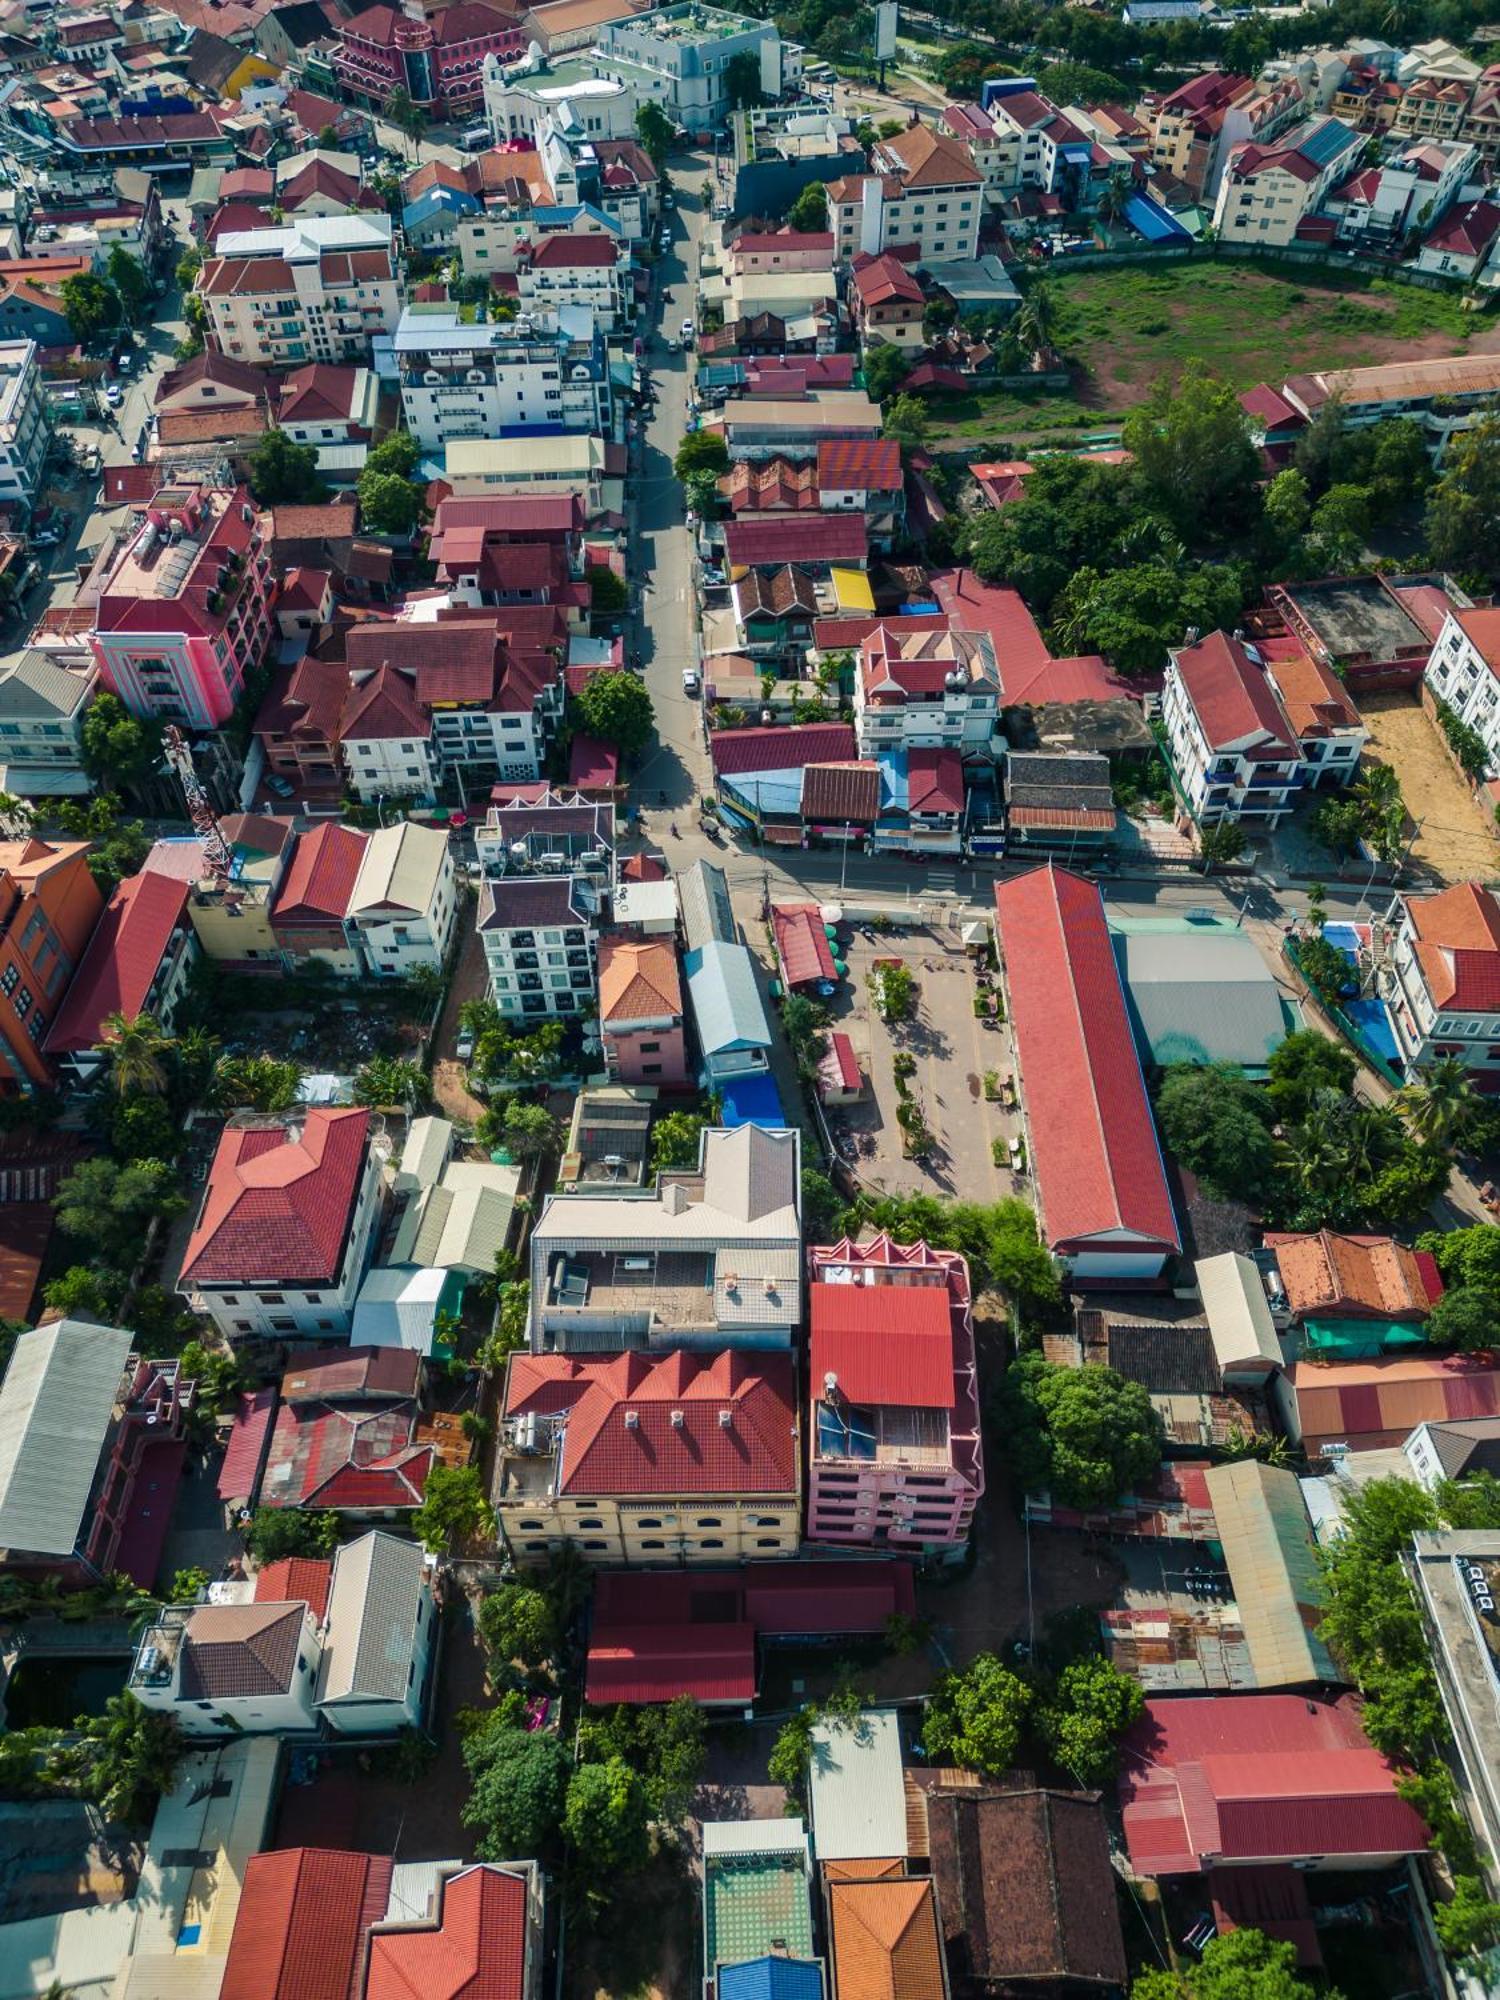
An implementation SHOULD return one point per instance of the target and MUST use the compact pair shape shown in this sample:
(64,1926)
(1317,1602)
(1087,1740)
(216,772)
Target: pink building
(183,610)
(895,1456)
(438,61)
(640,1011)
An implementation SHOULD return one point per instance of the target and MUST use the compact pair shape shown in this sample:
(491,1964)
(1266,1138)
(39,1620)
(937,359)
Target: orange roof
(1313,697)
(638,980)
(1483,630)
(1458,945)
(929,158)
(885,1940)
(1350,1272)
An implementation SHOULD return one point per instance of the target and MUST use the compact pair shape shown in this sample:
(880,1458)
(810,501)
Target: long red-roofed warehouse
(1102,1200)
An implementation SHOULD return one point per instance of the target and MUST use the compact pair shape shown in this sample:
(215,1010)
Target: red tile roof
(1094,1151)
(301,1922)
(887,1344)
(1257,1778)
(934,781)
(279,1201)
(1364,1277)
(839,1068)
(1458,946)
(567,252)
(737,750)
(296,1579)
(1468,231)
(841,538)
(1231,696)
(754,1452)
(854,464)
(512,514)
(123,957)
(320,877)
(239,1475)
(801,946)
(1029,676)
(358,1458)
(475,1951)
(592,763)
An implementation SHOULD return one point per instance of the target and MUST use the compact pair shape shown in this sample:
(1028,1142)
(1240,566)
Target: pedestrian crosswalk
(941,882)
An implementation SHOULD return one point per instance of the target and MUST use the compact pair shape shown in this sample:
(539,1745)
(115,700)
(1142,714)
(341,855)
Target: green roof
(753,1904)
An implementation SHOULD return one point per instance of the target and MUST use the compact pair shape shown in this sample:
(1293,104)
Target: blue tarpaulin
(1153,221)
(752,1100)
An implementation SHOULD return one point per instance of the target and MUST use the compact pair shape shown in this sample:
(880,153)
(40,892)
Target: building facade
(318,288)
(1463,672)
(1439,976)
(487,381)
(24,430)
(679,58)
(437,59)
(1230,743)
(49,907)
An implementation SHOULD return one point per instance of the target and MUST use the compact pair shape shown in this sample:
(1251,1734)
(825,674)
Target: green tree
(675,1139)
(283,474)
(125,1758)
(189,264)
(1372,1623)
(388,504)
(609,594)
(137,1051)
(1193,454)
(1221,842)
(975,1718)
(656,133)
(1467,1319)
(409,119)
(216,1373)
(742,80)
(1463,509)
(518,1791)
(701,490)
(1019,1262)
(128,281)
(1243,1964)
(386,1080)
(111,1207)
(1442,1106)
(143,1128)
(824,1211)
(188,1585)
(1084,1718)
(808,214)
(1287,506)
(616,708)
(118,846)
(531,1131)
(273,1533)
(1307,1064)
(1086,1435)
(116,748)
(255,1083)
(885,368)
(79,1293)
(701,451)
(1134,614)
(666,1743)
(91,306)
(1466,1256)
(963,67)
(1217,1125)
(1469,1924)
(454,1509)
(606,1821)
(517,1623)
(1324,967)
(905,420)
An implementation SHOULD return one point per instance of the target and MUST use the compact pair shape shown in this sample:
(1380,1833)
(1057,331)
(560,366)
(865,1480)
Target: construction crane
(200,811)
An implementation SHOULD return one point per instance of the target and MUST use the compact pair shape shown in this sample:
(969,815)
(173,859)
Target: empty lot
(1457,841)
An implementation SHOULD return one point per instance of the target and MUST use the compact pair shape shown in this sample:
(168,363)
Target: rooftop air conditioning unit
(770,1285)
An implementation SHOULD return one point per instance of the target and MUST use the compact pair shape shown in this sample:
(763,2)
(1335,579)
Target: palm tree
(136,1050)
(568,1583)
(16,816)
(1113,196)
(130,1755)
(1443,1108)
(1036,322)
(1378,789)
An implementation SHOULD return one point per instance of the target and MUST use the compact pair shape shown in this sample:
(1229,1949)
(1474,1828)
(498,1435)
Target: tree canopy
(1306,1064)
(1218,1125)
(1193,453)
(808,214)
(655,131)
(701,451)
(616,708)
(1463,509)
(116,748)
(517,1623)
(976,1717)
(284,474)
(1086,1435)
(519,1788)
(454,1509)
(91,304)
(885,368)
(1082,1720)
(1243,1964)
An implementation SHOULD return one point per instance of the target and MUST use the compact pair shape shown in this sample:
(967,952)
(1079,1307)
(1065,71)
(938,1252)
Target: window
(708,1521)
(767,1542)
(648,1521)
(273,1298)
(711,1542)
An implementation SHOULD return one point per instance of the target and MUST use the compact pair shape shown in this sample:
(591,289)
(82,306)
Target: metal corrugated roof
(1268,1546)
(1238,1312)
(707,914)
(378,1585)
(55,1407)
(1200,996)
(855,1788)
(727,1007)
(401,869)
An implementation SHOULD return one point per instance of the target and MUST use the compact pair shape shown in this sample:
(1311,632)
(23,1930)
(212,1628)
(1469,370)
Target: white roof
(754,1836)
(308,237)
(401,869)
(55,1407)
(1239,1314)
(455,1228)
(396,1307)
(646,903)
(378,1584)
(750,1196)
(520,457)
(428,1148)
(856,1789)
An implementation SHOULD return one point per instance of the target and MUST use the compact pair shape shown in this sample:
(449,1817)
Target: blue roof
(727,1007)
(1152,221)
(771,1979)
(1326,141)
(564,217)
(754,1100)
(433,200)
(768,791)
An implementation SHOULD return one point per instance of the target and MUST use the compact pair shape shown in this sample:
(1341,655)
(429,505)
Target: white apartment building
(292,1273)
(1412,190)
(540,945)
(546,372)
(318,288)
(1267,191)
(678,58)
(42,704)
(1233,750)
(1439,977)
(231,1669)
(923,190)
(404,901)
(24,430)
(926,691)
(1463,670)
(1024,151)
(522,100)
(571,268)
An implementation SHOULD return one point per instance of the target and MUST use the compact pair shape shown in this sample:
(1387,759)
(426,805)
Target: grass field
(1124,328)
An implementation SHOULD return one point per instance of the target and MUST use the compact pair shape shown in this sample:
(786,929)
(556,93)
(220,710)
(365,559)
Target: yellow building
(232,919)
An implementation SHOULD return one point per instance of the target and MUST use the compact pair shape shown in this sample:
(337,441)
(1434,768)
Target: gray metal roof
(55,1407)
(1273,1569)
(35,685)
(707,913)
(856,1790)
(727,1010)
(372,1619)
(749,1172)
(1201,997)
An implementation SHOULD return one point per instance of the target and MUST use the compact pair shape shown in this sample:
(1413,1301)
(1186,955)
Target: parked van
(476,139)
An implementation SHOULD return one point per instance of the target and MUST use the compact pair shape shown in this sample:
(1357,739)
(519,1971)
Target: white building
(378,1639)
(540,945)
(24,430)
(1463,670)
(923,190)
(1439,976)
(42,707)
(387,741)
(1268,190)
(318,288)
(522,99)
(231,1669)
(679,58)
(483,381)
(926,690)
(1412,190)
(572,268)
(1233,749)
(285,1226)
(405,900)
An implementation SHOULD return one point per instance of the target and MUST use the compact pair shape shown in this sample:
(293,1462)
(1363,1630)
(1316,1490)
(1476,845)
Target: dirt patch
(1456,842)
(450,1083)
(645,1946)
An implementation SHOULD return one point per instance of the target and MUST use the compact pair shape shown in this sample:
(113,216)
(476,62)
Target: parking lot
(953,1051)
